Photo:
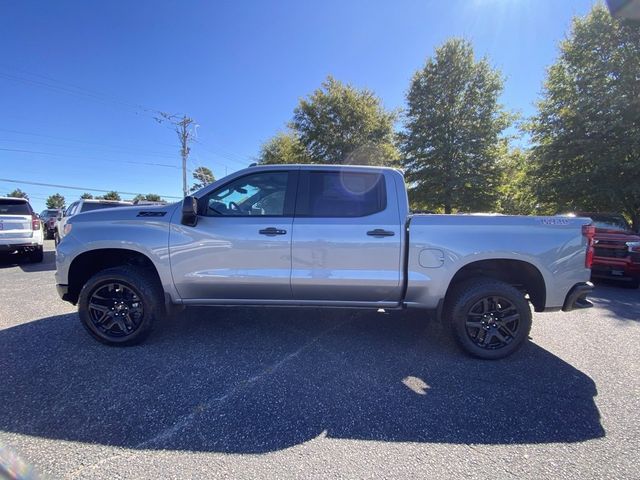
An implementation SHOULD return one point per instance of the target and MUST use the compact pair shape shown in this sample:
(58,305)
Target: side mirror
(189,211)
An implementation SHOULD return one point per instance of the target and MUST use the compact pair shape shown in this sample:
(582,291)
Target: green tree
(586,134)
(55,201)
(516,194)
(452,137)
(86,196)
(149,197)
(336,124)
(112,195)
(284,148)
(203,176)
(17,193)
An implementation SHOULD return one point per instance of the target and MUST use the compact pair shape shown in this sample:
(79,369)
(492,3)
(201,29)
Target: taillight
(35,223)
(589,231)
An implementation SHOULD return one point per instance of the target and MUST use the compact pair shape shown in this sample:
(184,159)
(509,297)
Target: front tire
(490,319)
(118,306)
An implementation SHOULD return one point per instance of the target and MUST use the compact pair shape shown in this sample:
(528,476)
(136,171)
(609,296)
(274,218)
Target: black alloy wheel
(492,322)
(490,318)
(119,305)
(115,309)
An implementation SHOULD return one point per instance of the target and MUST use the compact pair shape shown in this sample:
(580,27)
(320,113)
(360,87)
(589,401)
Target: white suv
(20,229)
(81,206)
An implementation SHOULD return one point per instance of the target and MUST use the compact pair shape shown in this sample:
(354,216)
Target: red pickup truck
(617,249)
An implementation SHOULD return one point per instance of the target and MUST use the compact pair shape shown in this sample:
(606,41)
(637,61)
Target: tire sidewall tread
(469,292)
(136,278)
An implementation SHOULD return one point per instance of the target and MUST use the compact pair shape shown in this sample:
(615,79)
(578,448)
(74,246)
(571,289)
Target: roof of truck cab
(319,166)
(98,200)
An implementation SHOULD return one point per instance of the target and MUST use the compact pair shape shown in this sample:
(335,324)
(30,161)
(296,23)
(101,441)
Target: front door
(240,248)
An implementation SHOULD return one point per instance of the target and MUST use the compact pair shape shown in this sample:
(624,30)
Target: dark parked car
(49,218)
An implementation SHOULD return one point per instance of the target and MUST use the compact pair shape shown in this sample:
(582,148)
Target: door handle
(272,231)
(379,232)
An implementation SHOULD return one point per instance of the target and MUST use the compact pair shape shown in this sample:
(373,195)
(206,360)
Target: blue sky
(79,80)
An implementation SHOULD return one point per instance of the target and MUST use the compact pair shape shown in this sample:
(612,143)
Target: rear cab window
(14,207)
(340,194)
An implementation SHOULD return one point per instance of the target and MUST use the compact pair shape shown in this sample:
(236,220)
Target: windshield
(49,213)
(14,207)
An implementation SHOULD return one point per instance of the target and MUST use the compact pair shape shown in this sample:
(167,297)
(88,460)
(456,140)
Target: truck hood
(142,213)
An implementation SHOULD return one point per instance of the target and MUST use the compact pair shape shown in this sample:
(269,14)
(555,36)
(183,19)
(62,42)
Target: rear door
(15,220)
(347,237)
(240,248)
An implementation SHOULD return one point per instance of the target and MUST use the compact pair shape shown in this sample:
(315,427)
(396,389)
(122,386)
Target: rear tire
(119,305)
(490,319)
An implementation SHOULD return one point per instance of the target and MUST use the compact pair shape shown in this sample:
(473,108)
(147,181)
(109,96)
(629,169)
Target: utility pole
(183,127)
(184,134)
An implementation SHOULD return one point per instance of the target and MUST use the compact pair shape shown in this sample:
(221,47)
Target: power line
(69,187)
(122,148)
(36,152)
(244,163)
(70,89)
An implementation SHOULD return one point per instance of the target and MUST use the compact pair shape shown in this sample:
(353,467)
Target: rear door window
(14,207)
(340,194)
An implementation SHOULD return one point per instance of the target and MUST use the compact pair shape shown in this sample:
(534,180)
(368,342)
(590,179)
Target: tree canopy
(17,193)
(86,196)
(285,147)
(55,201)
(112,195)
(336,124)
(149,197)
(203,176)
(586,134)
(452,140)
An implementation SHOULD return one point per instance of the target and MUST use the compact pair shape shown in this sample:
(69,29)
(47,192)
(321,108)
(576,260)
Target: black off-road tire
(463,305)
(144,287)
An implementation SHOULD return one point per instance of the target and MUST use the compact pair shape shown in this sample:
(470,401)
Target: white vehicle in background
(81,206)
(20,229)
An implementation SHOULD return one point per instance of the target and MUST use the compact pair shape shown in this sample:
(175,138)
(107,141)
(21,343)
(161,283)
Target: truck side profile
(322,236)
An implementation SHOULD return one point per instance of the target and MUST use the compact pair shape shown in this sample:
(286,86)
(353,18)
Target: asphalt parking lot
(288,393)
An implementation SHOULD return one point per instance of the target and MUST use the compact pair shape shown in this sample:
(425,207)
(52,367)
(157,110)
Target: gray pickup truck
(322,236)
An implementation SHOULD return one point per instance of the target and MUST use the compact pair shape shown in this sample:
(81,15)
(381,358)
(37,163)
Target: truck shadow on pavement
(260,380)
(616,302)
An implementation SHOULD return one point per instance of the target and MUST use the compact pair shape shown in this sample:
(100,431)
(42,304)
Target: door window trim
(289,196)
(304,197)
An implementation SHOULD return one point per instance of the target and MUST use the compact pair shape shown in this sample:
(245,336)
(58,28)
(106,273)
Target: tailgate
(15,227)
